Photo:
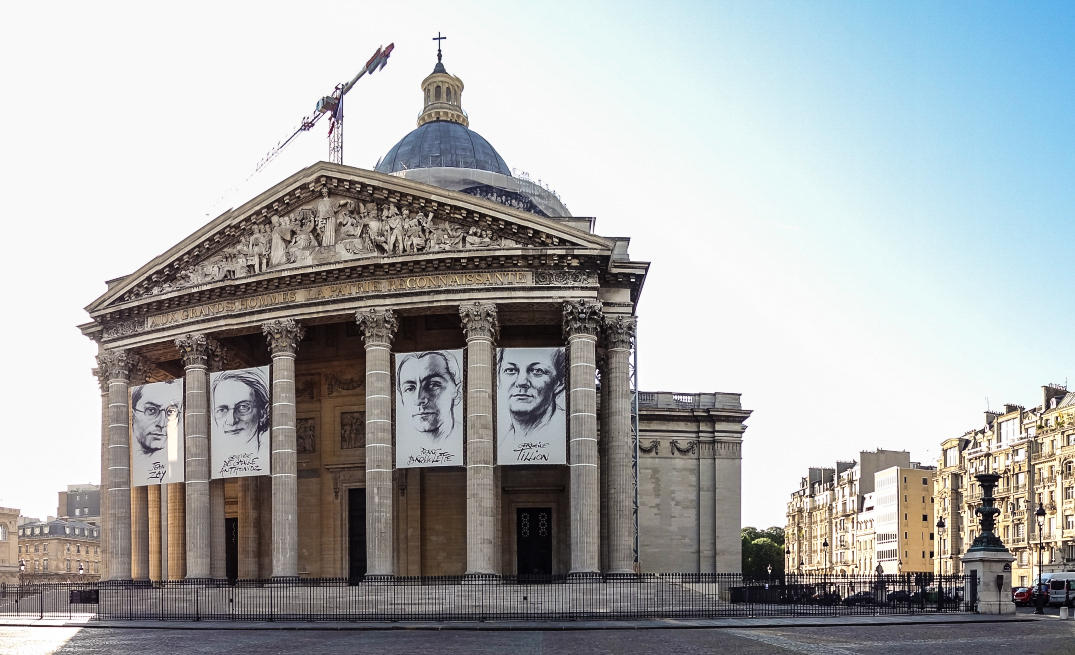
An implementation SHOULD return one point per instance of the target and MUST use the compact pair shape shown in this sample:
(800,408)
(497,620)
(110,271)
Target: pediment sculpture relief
(332,229)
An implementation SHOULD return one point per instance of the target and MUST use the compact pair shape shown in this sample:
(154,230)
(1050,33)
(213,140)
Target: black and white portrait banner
(531,421)
(240,418)
(157,433)
(429,408)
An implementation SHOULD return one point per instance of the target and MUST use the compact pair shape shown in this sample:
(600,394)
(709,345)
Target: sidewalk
(652,624)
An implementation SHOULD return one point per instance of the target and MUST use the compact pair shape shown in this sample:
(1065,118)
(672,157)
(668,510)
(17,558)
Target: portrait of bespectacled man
(157,433)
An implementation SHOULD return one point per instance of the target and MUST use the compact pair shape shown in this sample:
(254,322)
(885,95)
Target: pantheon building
(425,369)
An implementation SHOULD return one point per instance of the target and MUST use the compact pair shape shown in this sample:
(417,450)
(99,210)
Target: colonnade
(194,539)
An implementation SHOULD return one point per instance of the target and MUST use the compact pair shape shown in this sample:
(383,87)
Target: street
(1026,637)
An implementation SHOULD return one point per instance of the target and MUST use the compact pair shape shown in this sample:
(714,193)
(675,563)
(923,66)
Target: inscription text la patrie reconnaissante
(341,290)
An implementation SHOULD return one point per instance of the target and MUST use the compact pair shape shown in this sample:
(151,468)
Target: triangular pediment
(333,216)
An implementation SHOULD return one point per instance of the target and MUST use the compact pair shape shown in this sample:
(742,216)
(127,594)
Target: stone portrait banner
(240,418)
(429,408)
(157,433)
(531,421)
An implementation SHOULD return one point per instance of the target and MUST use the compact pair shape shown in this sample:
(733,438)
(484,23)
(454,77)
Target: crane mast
(332,105)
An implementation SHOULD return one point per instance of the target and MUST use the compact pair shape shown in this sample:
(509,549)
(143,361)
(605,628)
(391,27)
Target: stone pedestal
(988,567)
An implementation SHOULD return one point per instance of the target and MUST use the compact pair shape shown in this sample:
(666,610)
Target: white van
(1061,587)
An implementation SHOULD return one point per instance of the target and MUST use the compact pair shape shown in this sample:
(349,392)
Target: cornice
(530,230)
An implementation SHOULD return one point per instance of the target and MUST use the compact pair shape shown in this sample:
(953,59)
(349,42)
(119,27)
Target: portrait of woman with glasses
(239,402)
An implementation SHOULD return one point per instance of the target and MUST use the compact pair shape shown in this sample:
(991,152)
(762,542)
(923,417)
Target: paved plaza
(893,635)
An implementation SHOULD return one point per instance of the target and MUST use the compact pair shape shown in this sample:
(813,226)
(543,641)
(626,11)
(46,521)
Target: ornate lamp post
(1039,590)
(22,570)
(940,569)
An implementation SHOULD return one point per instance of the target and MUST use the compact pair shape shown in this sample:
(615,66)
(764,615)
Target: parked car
(899,596)
(1021,596)
(861,598)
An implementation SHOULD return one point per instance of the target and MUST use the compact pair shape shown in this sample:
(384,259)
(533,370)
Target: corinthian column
(480,327)
(619,333)
(218,556)
(102,380)
(117,365)
(378,329)
(283,337)
(582,322)
(194,348)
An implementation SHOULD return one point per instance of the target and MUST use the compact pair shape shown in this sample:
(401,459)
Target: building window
(925,518)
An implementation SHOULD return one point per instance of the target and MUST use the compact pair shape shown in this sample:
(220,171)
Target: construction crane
(332,105)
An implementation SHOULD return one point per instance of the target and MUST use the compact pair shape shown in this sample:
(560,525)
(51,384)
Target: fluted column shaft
(619,332)
(195,351)
(157,543)
(582,322)
(102,380)
(118,364)
(283,337)
(140,533)
(218,550)
(176,530)
(378,329)
(249,535)
(483,546)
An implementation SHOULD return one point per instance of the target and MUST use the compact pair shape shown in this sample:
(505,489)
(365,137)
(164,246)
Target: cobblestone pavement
(1026,635)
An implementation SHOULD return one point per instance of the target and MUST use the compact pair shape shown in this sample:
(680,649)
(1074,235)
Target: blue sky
(858,214)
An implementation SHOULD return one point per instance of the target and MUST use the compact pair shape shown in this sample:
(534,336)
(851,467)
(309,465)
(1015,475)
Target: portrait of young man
(239,403)
(531,421)
(157,433)
(429,408)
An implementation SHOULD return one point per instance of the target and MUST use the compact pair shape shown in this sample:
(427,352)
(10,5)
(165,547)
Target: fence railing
(674,595)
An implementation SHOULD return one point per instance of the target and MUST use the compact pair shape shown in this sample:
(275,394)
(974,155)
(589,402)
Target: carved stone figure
(281,235)
(326,219)
(393,223)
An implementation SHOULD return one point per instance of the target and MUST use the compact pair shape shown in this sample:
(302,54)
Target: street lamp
(80,569)
(940,528)
(1039,604)
(22,570)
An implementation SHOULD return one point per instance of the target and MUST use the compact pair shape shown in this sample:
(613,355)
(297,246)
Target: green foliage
(761,549)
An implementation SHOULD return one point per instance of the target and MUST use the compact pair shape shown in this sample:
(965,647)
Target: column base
(284,580)
(481,578)
(620,576)
(583,576)
(379,578)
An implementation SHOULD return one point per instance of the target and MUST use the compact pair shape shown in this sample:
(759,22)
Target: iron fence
(672,595)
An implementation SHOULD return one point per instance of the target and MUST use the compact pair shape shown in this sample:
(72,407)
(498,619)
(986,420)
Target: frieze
(337,383)
(123,328)
(690,449)
(333,228)
(654,447)
(565,278)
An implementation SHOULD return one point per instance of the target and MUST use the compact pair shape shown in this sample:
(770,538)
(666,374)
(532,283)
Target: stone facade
(840,521)
(9,545)
(54,551)
(328,317)
(1033,452)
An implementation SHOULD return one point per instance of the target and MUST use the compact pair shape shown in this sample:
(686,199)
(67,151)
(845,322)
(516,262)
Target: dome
(440,144)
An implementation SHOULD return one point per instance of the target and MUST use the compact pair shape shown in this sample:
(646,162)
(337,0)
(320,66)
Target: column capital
(479,320)
(620,331)
(582,318)
(377,325)
(195,349)
(121,365)
(102,378)
(283,336)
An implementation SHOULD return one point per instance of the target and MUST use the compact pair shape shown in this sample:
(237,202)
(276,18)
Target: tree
(761,549)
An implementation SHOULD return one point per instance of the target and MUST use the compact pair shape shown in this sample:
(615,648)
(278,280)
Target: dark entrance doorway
(356,534)
(533,541)
(231,549)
